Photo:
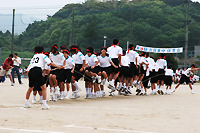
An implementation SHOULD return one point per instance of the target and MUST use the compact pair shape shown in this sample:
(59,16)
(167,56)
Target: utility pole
(72,43)
(13,24)
(131,32)
(186,35)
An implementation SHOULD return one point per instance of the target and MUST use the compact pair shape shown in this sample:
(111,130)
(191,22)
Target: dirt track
(175,113)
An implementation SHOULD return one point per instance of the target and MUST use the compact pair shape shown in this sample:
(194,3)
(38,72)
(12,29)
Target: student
(115,53)
(168,78)
(161,64)
(35,75)
(80,63)
(17,62)
(7,66)
(69,66)
(54,77)
(185,77)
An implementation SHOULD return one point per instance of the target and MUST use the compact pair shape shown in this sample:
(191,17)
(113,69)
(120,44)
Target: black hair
(73,48)
(178,68)
(54,48)
(11,55)
(130,46)
(169,66)
(152,57)
(90,49)
(105,48)
(115,41)
(124,52)
(162,55)
(63,47)
(15,54)
(38,49)
(193,65)
(147,54)
(143,53)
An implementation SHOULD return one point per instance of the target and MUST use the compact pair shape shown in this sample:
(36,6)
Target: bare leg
(30,89)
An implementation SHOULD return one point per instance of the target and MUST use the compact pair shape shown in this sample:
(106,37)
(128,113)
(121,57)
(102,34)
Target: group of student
(58,69)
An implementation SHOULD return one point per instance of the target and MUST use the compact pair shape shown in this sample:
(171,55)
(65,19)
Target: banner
(159,50)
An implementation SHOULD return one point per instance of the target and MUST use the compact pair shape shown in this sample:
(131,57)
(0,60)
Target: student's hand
(116,66)
(92,67)
(81,70)
(59,67)
(136,66)
(121,64)
(72,71)
(43,74)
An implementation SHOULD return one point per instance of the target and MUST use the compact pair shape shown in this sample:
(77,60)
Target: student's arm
(72,71)
(84,65)
(54,65)
(136,62)
(119,58)
(96,63)
(64,63)
(113,64)
(194,69)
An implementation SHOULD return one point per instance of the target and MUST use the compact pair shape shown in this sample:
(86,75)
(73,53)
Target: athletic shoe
(21,83)
(55,99)
(129,91)
(51,98)
(89,96)
(155,93)
(173,90)
(12,84)
(99,79)
(62,97)
(137,93)
(192,91)
(93,79)
(165,93)
(110,86)
(138,90)
(119,93)
(34,101)
(77,90)
(151,93)
(56,91)
(73,96)
(161,92)
(27,106)
(145,94)
(45,106)
(158,91)
(103,94)
(141,93)
(111,94)
(94,96)
(51,93)
(118,88)
(40,101)
(169,93)
(67,96)
(77,95)
(86,96)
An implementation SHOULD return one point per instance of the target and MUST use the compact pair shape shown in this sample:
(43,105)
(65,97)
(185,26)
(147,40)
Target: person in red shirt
(7,66)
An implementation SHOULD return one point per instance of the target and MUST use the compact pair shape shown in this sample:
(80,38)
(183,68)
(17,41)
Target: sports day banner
(159,50)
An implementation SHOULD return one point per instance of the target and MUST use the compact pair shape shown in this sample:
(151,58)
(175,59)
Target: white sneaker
(51,93)
(78,95)
(145,94)
(86,96)
(55,99)
(56,90)
(34,101)
(40,101)
(173,90)
(27,106)
(62,97)
(165,93)
(103,82)
(51,98)
(169,93)
(77,90)
(192,91)
(103,94)
(45,106)
(99,79)
(12,84)
(73,96)
(67,96)
(151,93)
(89,96)
(155,93)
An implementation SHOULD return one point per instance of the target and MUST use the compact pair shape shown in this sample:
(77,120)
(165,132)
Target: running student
(80,63)
(69,66)
(161,64)
(54,77)
(115,53)
(185,77)
(6,69)
(37,63)
(168,78)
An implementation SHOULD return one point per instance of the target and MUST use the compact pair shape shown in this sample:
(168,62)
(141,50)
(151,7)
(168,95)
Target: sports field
(176,113)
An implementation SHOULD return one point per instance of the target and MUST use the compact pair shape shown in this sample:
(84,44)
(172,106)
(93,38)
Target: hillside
(155,23)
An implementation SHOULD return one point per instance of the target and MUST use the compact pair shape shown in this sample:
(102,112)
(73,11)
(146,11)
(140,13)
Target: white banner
(159,50)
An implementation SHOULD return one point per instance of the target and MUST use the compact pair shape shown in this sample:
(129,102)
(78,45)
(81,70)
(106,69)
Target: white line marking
(106,129)
(27,130)
(22,108)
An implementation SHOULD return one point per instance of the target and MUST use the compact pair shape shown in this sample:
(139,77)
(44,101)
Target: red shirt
(7,63)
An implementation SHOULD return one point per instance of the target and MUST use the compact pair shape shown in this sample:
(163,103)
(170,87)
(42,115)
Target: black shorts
(153,76)
(108,70)
(46,79)
(116,62)
(161,73)
(131,70)
(168,80)
(96,70)
(145,81)
(124,71)
(58,74)
(66,76)
(37,87)
(142,71)
(136,70)
(77,74)
(184,78)
(35,76)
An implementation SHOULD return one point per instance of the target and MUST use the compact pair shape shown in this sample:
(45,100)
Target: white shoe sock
(34,97)
(52,88)
(76,84)
(26,101)
(161,87)
(41,97)
(44,102)
(158,87)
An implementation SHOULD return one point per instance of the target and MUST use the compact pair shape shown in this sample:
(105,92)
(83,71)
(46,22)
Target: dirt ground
(176,113)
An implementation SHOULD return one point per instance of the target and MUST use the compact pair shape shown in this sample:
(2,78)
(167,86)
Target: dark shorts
(136,70)
(161,73)
(46,79)
(108,70)
(35,76)
(37,87)
(168,80)
(131,70)
(77,74)
(58,73)
(153,76)
(145,81)
(124,71)
(142,71)
(86,77)
(96,70)
(66,76)
(116,62)
(184,78)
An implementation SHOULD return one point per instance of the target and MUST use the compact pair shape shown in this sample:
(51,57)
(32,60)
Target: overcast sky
(36,8)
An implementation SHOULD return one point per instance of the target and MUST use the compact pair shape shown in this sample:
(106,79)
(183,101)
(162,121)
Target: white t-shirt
(78,58)
(161,63)
(188,73)
(104,61)
(46,67)
(57,59)
(178,72)
(91,59)
(152,63)
(132,56)
(114,51)
(69,63)
(143,59)
(39,60)
(169,72)
(138,60)
(125,61)
(18,62)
